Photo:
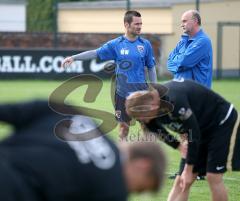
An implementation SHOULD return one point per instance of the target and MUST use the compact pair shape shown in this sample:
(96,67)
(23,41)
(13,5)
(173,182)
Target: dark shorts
(120,109)
(221,151)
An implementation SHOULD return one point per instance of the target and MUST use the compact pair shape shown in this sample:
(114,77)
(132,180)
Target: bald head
(191,22)
(195,15)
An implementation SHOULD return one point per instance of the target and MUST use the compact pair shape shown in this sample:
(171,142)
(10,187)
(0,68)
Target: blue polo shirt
(192,59)
(131,57)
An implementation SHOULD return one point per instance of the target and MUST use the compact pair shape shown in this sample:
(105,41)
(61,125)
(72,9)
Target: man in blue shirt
(192,57)
(131,54)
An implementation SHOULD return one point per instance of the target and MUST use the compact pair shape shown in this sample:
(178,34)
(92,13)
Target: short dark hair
(153,152)
(196,15)
(128,17)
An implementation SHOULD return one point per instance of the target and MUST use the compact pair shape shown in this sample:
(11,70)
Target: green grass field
(14,91)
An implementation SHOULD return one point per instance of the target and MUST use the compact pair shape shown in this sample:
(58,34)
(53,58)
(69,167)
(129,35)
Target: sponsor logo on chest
(124,51)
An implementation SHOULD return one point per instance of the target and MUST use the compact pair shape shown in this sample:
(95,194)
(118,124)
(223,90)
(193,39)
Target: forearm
(170,140)
(171,66)
(188,168)
(91,54)
(193,56)
(152,75)
(162,134)
(183,148)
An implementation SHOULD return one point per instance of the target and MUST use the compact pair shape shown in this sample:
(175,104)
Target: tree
(41,15)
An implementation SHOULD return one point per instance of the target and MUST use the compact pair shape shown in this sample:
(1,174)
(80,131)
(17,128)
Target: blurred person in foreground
(210,122)
(132,54)
(43,161)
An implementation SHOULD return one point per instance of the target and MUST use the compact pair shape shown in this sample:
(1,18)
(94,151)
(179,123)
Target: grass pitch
(14,91)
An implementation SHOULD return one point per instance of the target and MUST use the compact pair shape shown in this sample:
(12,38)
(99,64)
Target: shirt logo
(140,48)
(219,167)
(118,114)
(184,113)
(181,79)
(175,126)
(124,51)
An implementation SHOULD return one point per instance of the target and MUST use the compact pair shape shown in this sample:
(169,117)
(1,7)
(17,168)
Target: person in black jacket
(210,123)
(37,163)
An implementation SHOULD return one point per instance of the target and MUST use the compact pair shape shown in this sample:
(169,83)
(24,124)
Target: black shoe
(200,178)
(173,176)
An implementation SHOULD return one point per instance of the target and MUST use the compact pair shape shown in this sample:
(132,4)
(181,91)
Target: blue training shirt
(131,57)
(192,59)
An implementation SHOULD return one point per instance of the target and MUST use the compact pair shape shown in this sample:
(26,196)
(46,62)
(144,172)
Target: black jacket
(197,111)
(36,165)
